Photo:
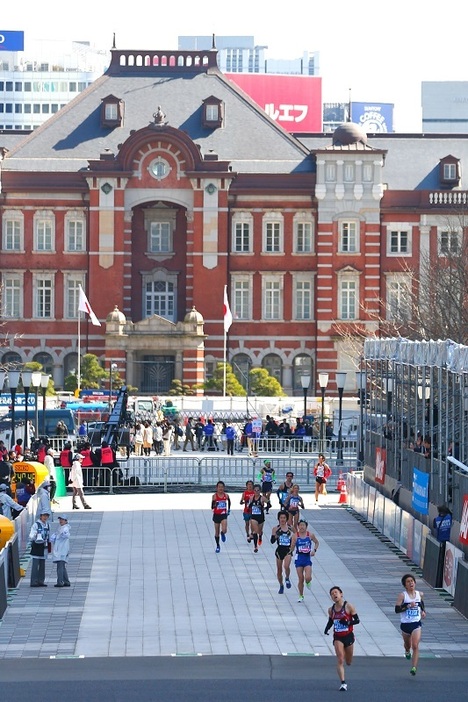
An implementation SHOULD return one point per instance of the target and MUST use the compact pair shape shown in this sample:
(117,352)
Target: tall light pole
(36,382)
(113,367)
(305,382)
(13,381)
(361,383)
(44,386)
(340,383)
(323,382)
(26,378)
(389,397)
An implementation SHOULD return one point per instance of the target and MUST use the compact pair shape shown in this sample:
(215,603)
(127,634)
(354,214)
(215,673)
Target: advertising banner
(294,102)
(449,578)
(417,541)
(20,400)
(371,508)
(420,497)
(373,117)
(406,534)
(380,464)
(464,521)
(425,531)
(365,499)
(379,511)
(389,519)
(11,41)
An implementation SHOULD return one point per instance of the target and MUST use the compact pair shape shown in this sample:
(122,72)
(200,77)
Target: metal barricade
(176,471)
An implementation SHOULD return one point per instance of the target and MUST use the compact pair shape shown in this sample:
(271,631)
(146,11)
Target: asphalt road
(230,679)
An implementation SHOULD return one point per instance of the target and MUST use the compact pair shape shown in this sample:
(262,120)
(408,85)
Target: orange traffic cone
(340,481)
(343,499)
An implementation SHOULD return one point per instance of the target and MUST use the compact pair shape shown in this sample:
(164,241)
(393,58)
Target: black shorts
(320,480)
(267,487)
(281,552)
(218,518)
(346,640)
(410,627)
(259,518)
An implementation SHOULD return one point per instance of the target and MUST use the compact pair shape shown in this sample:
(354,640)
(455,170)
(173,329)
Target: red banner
(464,521)
(380,465)
(294,102)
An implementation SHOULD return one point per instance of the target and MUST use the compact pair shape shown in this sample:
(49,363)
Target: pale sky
(381,51)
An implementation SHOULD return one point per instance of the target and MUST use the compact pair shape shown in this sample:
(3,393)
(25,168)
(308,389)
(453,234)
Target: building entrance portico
(156,351)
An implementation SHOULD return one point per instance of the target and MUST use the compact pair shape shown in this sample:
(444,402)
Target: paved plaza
(146,581)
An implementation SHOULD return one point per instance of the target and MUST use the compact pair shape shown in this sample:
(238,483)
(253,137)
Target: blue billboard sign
(420,497)
(20,400)
(373,117)
(11,41)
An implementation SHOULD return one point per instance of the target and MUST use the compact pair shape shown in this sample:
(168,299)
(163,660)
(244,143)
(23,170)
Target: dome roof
(194,317)
(116,316)
(349,133)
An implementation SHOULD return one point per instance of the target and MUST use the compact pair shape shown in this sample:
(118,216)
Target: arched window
(160,294)
(11,358)
(303,365)
(46,361)
(70,364)
(272,363)
(241,365)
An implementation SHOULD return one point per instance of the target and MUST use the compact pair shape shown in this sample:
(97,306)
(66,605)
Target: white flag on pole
(227,312)
(84,306)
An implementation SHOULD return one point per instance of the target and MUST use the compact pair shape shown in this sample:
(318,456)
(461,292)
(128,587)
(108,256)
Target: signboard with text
(420,496)
(11,41)
(373,117)
(294,102)
(380,464)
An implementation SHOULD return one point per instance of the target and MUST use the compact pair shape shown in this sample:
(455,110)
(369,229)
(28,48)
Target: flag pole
(227,321)
(78,377)
(224,367)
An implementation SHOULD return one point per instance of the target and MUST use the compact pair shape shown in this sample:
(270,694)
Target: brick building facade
(162,183)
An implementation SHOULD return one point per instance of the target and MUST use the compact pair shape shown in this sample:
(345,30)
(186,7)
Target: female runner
(257,508)
(304,553)
(292,504)
(342,617)
(221,506)
(410,606)
(284,537)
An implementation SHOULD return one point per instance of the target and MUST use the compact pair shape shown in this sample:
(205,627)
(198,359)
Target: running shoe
(255,550)
(218,549)
(343,687)
(281,590)
(223,537)
(300,598)
(288,583)
(308,584)
(249,539)
(413,671)
(407,655)
(259,540)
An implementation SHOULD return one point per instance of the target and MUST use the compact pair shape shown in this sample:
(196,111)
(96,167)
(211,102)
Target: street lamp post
(305,382)
(44,386)
(340,383)
(26,378)
(113,367)
(323,382)
(389,397)
(13,380)
(36,382)
(361,383)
